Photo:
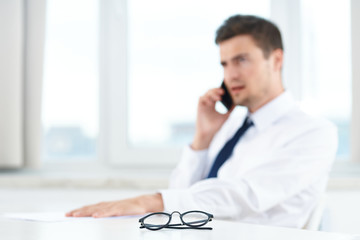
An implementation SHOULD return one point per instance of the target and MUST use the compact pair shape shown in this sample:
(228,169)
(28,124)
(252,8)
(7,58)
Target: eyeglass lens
(156,221)
(195,219)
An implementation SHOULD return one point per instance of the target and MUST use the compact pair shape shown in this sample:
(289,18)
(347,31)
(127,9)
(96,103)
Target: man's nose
(232,74)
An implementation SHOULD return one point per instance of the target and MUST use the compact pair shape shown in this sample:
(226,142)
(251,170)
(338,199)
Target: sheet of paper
(50,217)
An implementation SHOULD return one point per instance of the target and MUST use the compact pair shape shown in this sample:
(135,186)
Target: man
(268,167)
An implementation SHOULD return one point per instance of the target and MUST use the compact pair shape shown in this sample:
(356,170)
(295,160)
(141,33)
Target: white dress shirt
(277,172)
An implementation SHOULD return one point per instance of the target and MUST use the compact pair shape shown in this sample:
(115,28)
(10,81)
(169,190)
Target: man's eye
(240,59)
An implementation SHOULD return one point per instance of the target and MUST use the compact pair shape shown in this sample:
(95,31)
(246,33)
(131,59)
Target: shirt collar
(272,111)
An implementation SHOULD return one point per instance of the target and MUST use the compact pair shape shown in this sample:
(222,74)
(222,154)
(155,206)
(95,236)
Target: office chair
(316,217)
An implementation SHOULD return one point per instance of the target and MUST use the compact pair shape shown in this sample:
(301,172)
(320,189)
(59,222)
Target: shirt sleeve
(286,173)
(190,169)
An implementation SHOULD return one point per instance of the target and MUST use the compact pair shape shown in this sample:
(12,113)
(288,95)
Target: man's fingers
(104,213)
(132,206)
(211,97)
(81,213)
(206,101)
(215,94)
(86,211)
(215,98)
(103,209)
(73,213)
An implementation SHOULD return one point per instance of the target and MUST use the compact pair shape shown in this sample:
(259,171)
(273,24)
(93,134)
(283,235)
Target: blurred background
(103,93)
(171,61)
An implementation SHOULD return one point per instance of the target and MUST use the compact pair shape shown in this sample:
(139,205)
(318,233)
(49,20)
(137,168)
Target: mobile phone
(226,99)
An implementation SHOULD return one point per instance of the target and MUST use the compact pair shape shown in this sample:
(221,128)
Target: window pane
(327,64)
(172,61)
(70,93)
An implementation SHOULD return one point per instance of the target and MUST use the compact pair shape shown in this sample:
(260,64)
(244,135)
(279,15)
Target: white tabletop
(128,228)
(62,200)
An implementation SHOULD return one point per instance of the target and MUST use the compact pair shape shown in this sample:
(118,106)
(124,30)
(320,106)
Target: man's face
(251,79)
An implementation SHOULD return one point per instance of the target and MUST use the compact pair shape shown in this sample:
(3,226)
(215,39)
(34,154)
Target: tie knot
(248,121)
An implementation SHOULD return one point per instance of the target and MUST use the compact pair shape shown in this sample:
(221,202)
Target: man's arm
(209,121)
(132,206)
(293,176)
(194,158)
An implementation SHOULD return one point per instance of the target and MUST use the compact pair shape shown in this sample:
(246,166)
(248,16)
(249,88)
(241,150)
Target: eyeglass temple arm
(188,227)
(177,226)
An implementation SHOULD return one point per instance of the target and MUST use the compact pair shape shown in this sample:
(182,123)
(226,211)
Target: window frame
(114,147)
(355,111)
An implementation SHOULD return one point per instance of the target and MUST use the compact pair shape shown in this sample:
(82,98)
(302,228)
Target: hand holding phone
(209,120)
(226,99)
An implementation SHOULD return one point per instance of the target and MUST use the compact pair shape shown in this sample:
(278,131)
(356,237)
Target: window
(172,61)
(152,78)
(70,92)
(326,65)
(157,61)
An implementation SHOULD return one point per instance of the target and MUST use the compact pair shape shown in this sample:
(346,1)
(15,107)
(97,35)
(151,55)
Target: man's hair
(265,33)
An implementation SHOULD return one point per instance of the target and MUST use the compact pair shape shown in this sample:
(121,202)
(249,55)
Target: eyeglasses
(191,220)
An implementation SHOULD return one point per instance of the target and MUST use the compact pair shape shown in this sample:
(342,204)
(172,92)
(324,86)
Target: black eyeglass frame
(188,225)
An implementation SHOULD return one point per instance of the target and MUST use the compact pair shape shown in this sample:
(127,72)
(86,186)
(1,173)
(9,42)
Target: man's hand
(208,121)
(132,206)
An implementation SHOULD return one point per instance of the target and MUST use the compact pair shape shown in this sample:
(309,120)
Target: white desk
(129,229)
(54,200)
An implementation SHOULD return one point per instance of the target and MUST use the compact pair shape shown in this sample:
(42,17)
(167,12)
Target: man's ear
(278,58)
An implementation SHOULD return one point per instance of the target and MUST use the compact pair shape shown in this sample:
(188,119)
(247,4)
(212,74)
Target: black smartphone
(226,98)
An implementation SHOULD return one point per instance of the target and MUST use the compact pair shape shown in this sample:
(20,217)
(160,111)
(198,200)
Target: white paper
(51,217)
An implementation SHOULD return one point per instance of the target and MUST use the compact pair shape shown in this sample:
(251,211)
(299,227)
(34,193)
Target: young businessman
(268,167)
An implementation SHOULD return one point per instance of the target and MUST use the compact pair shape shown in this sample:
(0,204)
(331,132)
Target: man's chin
(242,103)
(239,102)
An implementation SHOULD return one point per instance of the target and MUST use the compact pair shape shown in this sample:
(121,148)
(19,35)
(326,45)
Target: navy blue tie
(228,148)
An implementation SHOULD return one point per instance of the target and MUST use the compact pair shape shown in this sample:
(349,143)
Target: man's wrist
(200,142)
(152,202)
